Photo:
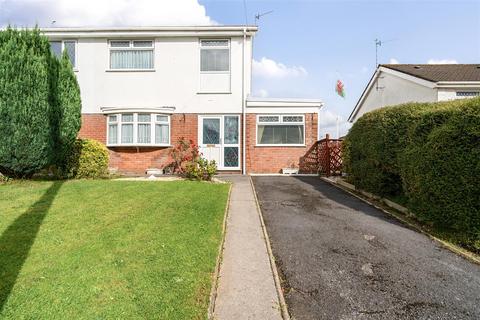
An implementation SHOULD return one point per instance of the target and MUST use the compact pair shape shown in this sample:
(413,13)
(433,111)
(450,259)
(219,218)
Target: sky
(304,46)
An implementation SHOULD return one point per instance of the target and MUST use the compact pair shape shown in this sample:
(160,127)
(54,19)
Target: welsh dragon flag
(339,88)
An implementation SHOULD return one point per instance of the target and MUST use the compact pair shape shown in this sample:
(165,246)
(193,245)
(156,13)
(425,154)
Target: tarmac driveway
(340,258)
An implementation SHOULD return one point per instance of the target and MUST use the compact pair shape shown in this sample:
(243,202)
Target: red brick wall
(273,159)
(94,126)
(136,160)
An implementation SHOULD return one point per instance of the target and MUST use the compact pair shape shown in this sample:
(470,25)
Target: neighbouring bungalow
(393,84)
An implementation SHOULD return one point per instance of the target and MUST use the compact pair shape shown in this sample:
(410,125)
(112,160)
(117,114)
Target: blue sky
(335,40)
(304,46)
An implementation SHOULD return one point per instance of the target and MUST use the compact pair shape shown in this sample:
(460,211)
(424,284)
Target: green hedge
(429,152)
(440,169)
(88,159)
(373,145)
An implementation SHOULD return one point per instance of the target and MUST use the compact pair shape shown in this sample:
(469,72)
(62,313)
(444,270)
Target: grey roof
(439,72)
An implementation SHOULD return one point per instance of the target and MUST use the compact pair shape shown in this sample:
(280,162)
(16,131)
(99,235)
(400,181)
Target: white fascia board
(282,110)
(359,104)
(284,103)
(164,109)
(148,32)
(459,84)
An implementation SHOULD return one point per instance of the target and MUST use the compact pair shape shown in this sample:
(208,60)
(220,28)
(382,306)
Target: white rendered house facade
(143,89)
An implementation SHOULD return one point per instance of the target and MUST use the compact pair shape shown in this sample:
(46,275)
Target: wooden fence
(324,158)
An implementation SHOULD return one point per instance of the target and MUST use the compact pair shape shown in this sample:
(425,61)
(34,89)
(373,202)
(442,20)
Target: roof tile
(439,72)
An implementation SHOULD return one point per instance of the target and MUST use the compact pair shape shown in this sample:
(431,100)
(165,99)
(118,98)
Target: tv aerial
(259,15)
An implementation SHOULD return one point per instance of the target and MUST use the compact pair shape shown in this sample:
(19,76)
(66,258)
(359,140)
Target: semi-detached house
(144,88)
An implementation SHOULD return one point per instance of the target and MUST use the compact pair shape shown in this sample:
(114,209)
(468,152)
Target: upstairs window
(131,55)
(138,129)
(70,46)
(214,56)
(281,130)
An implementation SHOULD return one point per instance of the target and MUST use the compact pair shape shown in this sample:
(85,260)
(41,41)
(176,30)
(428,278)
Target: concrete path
(343,259)
(246,287)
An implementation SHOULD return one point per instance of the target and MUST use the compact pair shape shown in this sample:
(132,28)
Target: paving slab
(246,287)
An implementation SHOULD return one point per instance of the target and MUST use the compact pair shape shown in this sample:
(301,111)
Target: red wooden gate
(324,157)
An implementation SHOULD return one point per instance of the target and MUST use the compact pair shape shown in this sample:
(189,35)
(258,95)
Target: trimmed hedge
(87,159)
(440,170)
(429,152)
(373,144)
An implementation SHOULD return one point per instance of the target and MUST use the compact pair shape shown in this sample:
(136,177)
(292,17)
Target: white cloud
(393,61)
(328,118)
(268,68)
(442,61)
(327,123)
(103,13)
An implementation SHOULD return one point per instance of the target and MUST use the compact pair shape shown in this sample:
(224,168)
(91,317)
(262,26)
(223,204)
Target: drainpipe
(244,118)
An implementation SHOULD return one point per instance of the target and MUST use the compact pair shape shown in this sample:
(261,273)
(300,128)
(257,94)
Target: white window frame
(214,47)
(135,143)
(467,94)
(280,122)
(75,65)
(130,48)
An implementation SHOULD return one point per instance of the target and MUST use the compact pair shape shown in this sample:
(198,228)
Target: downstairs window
(138,129)
(287,130)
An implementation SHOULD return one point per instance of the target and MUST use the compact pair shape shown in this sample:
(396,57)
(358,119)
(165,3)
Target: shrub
(201,169)
(69,105)
(188,162)
(27,102)
(184,152)
(374,143)
(87,159)
(440,167)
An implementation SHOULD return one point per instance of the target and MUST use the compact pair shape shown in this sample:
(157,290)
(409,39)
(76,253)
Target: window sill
(130,70)
(139,145)
(219,92)
(281,145)
(214,72)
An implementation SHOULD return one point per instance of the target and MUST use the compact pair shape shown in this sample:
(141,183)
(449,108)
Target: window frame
(467,93)
(75,66)
(280,122)
(130,47)
(229,47)
(153,122)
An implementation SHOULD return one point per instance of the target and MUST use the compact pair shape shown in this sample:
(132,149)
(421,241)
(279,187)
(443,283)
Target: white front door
(219,140)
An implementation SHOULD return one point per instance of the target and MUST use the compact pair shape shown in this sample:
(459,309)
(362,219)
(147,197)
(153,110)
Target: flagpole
(338,128)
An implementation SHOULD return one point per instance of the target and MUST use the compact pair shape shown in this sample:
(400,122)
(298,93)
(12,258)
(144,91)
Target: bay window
(131,55)
(138,129)
(287,130)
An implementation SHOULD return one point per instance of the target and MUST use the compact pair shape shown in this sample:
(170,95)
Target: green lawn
(108,249)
